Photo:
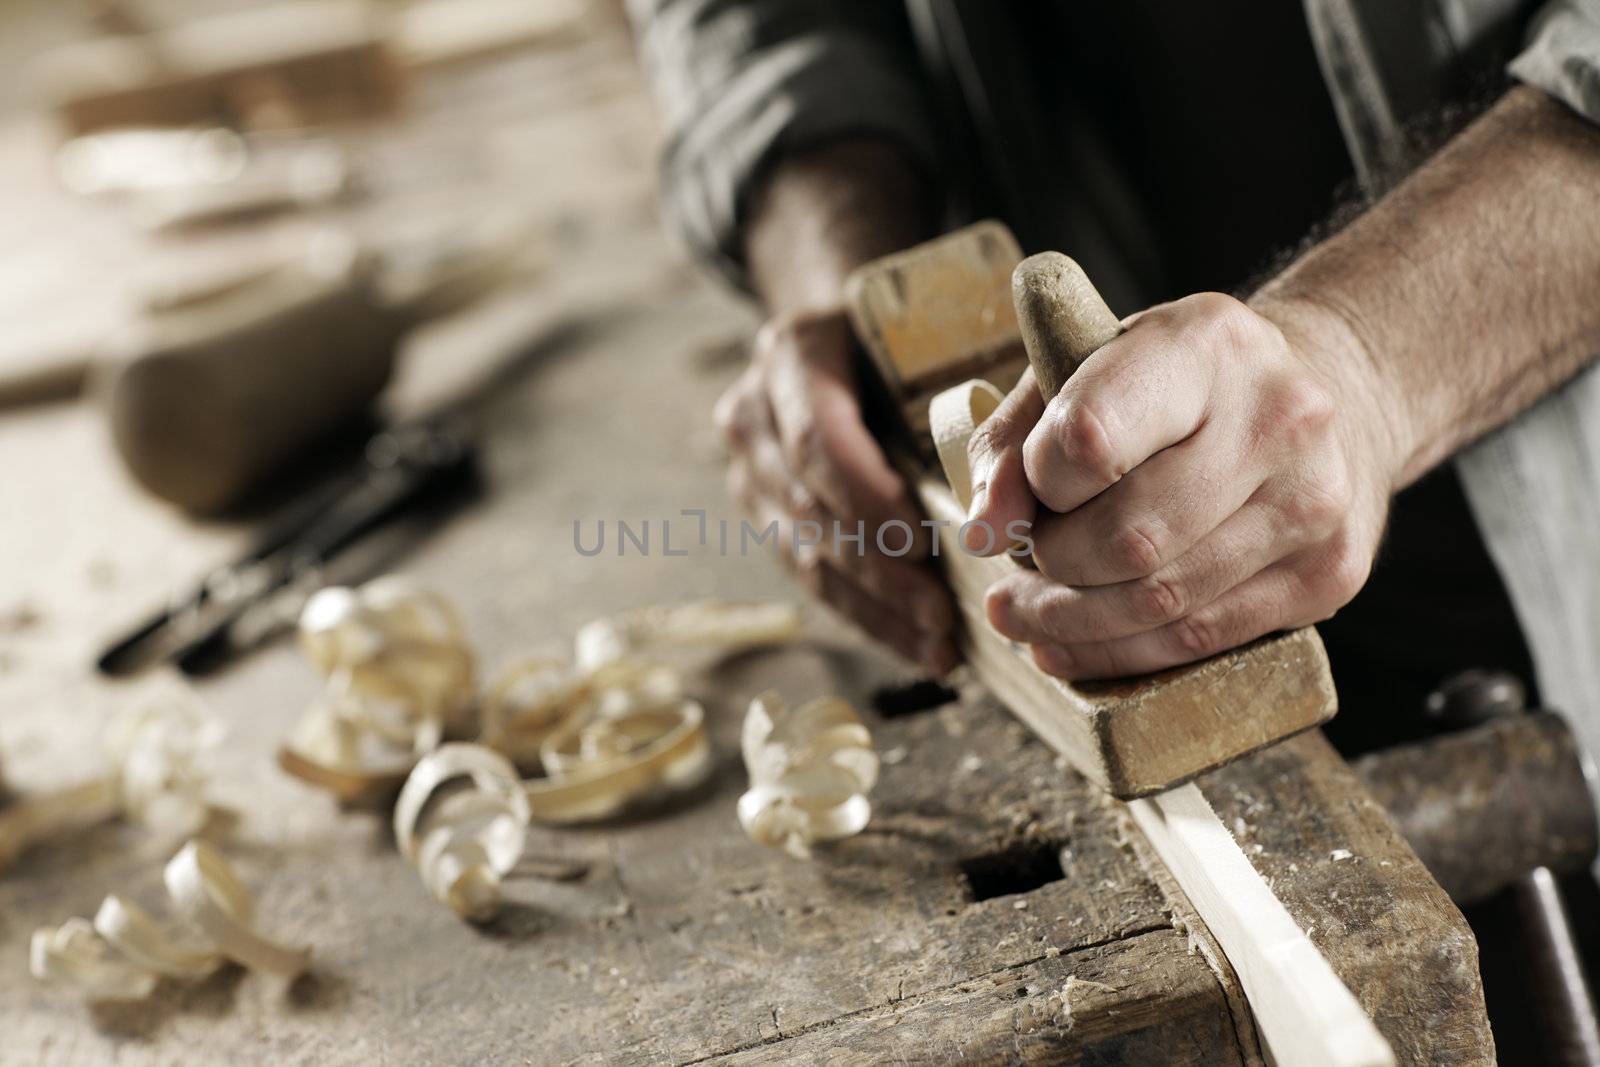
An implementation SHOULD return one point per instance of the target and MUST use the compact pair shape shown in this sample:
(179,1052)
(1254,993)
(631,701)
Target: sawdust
(1068,988)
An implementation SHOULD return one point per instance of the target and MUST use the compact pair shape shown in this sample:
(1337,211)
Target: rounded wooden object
(1061,315)
(214,400)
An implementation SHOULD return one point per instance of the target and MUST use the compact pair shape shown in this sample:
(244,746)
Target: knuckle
(989,439)
(1344,571)
(1319,504)
(1060,619)
(1297,410)
(771,338)
(1157,600)
(803,503)
(1080,433)
(1226,322)
(1195,636)
(740,486)
(727,416)
(802,446)
(1136,549)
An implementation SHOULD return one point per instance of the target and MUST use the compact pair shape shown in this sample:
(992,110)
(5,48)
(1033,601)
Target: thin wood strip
(1303,1012)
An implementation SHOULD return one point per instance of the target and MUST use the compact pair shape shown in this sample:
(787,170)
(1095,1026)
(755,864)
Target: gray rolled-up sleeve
(1563,55)
(744,81)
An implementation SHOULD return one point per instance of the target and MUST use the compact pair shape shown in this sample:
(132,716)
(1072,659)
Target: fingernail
(980,493)
(977,536)
(1001,617)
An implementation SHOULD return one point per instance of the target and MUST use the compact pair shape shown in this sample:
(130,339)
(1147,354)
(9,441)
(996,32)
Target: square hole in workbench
(911,698)
(1019,869)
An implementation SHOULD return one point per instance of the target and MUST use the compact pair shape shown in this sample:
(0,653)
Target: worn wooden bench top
(997,909)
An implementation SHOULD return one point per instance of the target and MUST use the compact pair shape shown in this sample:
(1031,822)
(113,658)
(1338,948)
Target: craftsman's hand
(802,458)
(1207,477)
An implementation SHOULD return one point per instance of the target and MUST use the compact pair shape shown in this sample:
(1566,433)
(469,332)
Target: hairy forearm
(823,212)
(1467,293)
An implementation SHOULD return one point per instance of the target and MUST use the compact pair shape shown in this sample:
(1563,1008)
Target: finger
(934,650)
(817,415)
(1145,390)
(1000,493)
(894,574)
(903,603)
(771,469)
(1272,600)
(1150,518)
(1028,606)
(741,410)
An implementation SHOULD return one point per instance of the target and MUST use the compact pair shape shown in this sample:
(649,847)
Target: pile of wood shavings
(398,676)
(601,733)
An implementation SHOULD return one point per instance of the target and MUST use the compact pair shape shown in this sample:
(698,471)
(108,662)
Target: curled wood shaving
(954,416)
(395,639)
(161,753)
(601,767)
(464,842)
(202,884)
(615,727)
(399,676)
(811,769)
(75,954)
(122,953)
(604,739)
(158,753)
(708,623)
(528,703)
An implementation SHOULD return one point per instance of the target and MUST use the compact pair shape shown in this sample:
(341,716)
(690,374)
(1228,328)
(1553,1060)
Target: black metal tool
(234,607)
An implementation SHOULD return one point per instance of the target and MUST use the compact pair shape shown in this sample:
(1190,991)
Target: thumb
(1000,493)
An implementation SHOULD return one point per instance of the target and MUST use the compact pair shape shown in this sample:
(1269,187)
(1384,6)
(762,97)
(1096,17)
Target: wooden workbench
(996,909)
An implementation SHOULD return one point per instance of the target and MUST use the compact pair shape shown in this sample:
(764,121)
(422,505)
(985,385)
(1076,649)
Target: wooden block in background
(294,63)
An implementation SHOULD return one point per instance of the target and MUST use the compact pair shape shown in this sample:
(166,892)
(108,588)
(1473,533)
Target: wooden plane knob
(1061,315)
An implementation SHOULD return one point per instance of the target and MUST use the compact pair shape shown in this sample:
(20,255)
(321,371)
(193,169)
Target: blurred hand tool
(411,473)
(237,605)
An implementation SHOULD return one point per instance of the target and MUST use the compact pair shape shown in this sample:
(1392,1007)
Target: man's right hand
(802,458)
